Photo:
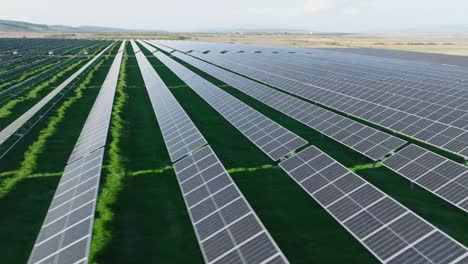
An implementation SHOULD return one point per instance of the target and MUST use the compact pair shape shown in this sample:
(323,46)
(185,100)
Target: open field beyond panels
(164,151)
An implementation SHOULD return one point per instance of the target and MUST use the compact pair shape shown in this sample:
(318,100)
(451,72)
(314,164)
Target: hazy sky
(185,15)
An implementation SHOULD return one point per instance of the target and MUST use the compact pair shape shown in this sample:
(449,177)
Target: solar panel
(12,128)
(161,47)
(390,231)
(270,137)
(94,133)
(439,175)
(227,228)
(418,119)
(65,235)
(367,141)
(180,134)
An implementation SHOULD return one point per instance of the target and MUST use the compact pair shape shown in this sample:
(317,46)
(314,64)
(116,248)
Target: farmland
(104,114)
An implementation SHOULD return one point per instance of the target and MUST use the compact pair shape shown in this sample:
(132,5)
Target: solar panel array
(227,228)
(12,128)
(439,175)
(65,235)
(443,124)
(386,228)
(180,134)
(366,140)
(412,112)
(273,139)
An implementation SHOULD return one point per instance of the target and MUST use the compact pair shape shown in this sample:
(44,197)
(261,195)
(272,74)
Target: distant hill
(254,30)
(18,26)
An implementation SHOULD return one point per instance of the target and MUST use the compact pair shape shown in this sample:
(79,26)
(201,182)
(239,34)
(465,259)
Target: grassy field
(141,216)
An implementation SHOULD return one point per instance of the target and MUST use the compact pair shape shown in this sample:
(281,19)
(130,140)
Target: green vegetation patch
(115,170)
(7,109)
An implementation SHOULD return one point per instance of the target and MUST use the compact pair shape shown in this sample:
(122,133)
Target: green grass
(24,206)
(6,110)
(114,171)
(28,74)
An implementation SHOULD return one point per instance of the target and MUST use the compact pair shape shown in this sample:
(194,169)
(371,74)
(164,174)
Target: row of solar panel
(390,231)
(367,141)
(65,235)
(439,175)
(180,134)
(271,138)
(336,95)
(226,227)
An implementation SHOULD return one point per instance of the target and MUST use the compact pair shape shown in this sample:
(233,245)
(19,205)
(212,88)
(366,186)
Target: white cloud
(313,7)
(351,11)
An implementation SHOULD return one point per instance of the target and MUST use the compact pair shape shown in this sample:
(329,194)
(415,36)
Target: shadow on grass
(151,223)
(23,211)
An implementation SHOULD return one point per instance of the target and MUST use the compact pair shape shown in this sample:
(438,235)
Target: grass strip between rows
(115,172)
(29,163)
(28,74)
(5,110)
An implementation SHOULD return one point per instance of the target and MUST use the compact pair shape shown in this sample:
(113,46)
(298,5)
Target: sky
(202,15)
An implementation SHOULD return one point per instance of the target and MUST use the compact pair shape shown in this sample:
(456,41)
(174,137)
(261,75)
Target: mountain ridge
(20,26)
